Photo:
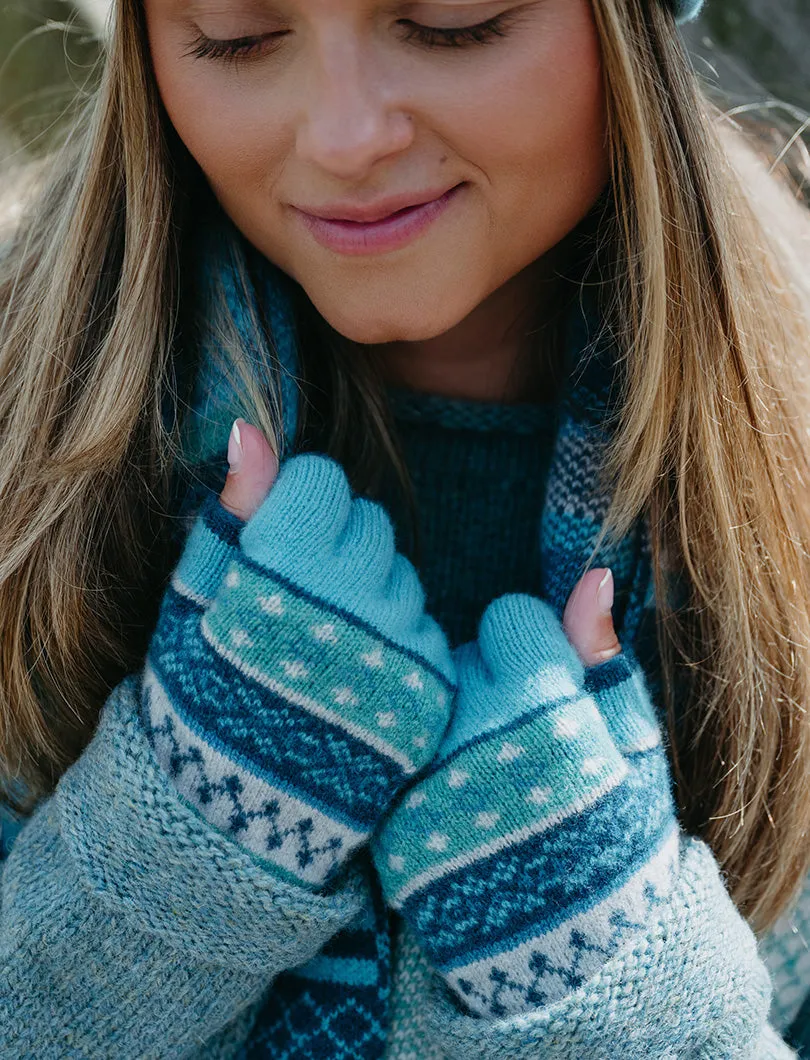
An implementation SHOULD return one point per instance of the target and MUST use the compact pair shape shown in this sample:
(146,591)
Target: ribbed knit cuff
(692,984)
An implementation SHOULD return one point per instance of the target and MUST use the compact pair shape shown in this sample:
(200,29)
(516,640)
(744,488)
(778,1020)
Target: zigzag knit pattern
(484,856)
(288,718)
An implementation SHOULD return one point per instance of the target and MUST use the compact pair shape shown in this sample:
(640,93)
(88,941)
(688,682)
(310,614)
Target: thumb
(254,467)
(588,621)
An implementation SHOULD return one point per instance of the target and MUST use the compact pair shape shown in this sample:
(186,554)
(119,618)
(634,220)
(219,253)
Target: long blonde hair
(709,307)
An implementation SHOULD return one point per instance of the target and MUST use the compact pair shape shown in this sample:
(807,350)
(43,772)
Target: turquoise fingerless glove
(294,683)
(545,829)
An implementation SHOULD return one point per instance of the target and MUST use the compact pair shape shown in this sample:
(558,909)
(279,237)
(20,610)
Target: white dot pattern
(510,751)
(271,605)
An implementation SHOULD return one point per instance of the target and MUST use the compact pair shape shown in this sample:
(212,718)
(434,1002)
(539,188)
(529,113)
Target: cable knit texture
(146,915)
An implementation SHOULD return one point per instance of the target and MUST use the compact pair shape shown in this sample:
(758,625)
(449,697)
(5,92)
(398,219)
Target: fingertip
(253,470)
(255,444)
(588,617)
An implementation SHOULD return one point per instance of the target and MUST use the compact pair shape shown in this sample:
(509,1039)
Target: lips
(386,234)
(375,211)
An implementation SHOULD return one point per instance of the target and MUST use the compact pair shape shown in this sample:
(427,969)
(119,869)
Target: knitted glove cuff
(692,984)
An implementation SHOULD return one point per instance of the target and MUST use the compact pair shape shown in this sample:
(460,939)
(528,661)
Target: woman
(466,713)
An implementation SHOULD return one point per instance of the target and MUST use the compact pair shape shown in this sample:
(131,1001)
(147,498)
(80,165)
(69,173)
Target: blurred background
(756,52)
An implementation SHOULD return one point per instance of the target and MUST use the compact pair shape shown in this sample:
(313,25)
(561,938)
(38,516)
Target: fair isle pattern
(483,856)
(329,663)
(547,967)
(340,717)
(524,758)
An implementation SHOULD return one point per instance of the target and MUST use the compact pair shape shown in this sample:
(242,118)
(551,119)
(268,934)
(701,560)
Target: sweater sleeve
(131,928)
(204,841)
(692,985)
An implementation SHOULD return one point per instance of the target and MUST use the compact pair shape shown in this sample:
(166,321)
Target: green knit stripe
(499,791)
(327,663)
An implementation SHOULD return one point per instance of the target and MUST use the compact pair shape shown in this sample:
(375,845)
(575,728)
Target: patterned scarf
(335,1007)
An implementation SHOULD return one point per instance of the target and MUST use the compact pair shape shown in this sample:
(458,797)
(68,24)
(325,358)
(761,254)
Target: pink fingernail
(235,451)
(604,594)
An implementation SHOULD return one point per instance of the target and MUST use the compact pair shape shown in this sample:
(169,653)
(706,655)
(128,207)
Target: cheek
(237,139)
(541,140)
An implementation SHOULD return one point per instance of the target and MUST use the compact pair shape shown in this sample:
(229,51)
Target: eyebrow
(225,6)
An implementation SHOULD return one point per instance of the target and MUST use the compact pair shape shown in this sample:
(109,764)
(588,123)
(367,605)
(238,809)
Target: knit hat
(686,10)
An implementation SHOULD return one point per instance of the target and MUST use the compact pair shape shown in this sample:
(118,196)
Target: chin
(415,323)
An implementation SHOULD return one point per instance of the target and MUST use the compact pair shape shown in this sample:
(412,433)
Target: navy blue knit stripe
(327,766)
(552,876)
(220,521)
(607,675)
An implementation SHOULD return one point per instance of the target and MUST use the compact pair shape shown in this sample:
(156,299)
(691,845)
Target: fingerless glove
(294,683)
(544,835)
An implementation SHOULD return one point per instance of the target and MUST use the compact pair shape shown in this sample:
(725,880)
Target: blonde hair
(708,309)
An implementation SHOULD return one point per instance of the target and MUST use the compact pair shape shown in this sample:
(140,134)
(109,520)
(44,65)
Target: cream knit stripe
(544,968)
(266,817)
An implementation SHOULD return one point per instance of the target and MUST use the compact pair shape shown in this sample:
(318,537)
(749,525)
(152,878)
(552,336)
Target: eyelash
(203,47)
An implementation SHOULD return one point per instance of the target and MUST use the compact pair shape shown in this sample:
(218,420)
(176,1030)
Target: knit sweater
(96,844)
(479,471)
(189,859)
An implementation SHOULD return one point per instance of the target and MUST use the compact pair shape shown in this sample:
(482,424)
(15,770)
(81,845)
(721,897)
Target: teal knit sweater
(479,471)
(116,853)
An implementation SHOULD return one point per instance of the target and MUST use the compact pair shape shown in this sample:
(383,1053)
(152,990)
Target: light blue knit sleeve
(203,841)
(540,866)
(132,929)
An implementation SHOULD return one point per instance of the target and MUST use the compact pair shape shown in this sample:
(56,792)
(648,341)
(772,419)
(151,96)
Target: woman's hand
(543,837)
(294,683)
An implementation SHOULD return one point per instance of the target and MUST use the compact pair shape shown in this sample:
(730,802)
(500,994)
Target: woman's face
(334,104)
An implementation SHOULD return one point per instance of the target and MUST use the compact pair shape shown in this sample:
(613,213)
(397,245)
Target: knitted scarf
(335,1006)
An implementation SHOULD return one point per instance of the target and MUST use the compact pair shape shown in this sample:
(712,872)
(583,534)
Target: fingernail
(604,594)
(235,451)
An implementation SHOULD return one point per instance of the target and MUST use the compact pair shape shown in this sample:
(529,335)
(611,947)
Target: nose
(350,119)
